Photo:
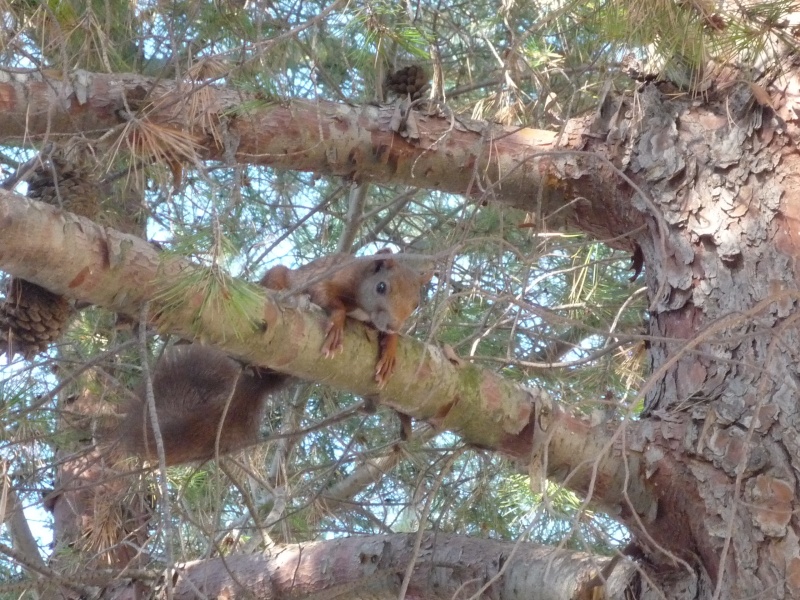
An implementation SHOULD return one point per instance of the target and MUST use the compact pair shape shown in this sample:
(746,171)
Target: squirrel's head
(390,293)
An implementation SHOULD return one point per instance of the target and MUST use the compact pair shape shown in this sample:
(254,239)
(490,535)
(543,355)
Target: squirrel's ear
(385,262)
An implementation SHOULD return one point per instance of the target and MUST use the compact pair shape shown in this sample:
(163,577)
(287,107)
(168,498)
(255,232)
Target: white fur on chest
(360,314)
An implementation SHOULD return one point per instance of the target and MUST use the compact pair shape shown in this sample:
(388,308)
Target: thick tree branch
(514,166)
(357,566)
(73,256)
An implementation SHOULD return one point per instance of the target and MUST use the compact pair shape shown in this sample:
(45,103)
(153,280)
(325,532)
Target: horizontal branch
(355,567)
(78,258)
(518,166)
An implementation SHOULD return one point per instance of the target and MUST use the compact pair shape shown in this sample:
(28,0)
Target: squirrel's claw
(384,369)
(387,345)
(333,340)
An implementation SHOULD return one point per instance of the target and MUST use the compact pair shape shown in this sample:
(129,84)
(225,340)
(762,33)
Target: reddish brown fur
(191,386)
(344,285)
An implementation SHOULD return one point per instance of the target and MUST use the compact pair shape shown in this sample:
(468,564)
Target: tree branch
(73,256)
(369,565)
(515,166)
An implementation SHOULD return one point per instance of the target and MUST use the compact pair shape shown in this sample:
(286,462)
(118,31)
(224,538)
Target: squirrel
(377,290)
(192,384)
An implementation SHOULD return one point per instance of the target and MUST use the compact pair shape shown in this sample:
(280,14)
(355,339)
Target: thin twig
(25,170)
(166,513)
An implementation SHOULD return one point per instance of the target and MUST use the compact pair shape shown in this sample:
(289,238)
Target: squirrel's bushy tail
(192,385)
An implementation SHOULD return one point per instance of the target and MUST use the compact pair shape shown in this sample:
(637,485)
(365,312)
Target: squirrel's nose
(383,322)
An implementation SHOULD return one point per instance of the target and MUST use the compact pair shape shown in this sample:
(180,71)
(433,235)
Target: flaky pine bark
(720,404)
(447,566)
(515,166)
(706,478)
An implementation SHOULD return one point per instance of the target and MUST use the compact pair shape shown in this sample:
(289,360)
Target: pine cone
(77,190)
(31,318)
(411,81)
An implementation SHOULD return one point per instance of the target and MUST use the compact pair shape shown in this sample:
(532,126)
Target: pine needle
(214,296)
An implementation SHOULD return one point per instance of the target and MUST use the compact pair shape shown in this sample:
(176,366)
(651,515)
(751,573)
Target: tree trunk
(718,431)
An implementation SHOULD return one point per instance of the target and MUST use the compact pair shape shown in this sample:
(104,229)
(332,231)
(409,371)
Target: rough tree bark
(706,479)
(448,565)
(477,159)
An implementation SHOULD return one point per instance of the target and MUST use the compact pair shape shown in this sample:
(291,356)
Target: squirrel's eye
(381,288)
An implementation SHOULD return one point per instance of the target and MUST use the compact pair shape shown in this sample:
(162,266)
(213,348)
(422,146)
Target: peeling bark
(516,166)
(447,566)
(722,400)
(75,257)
